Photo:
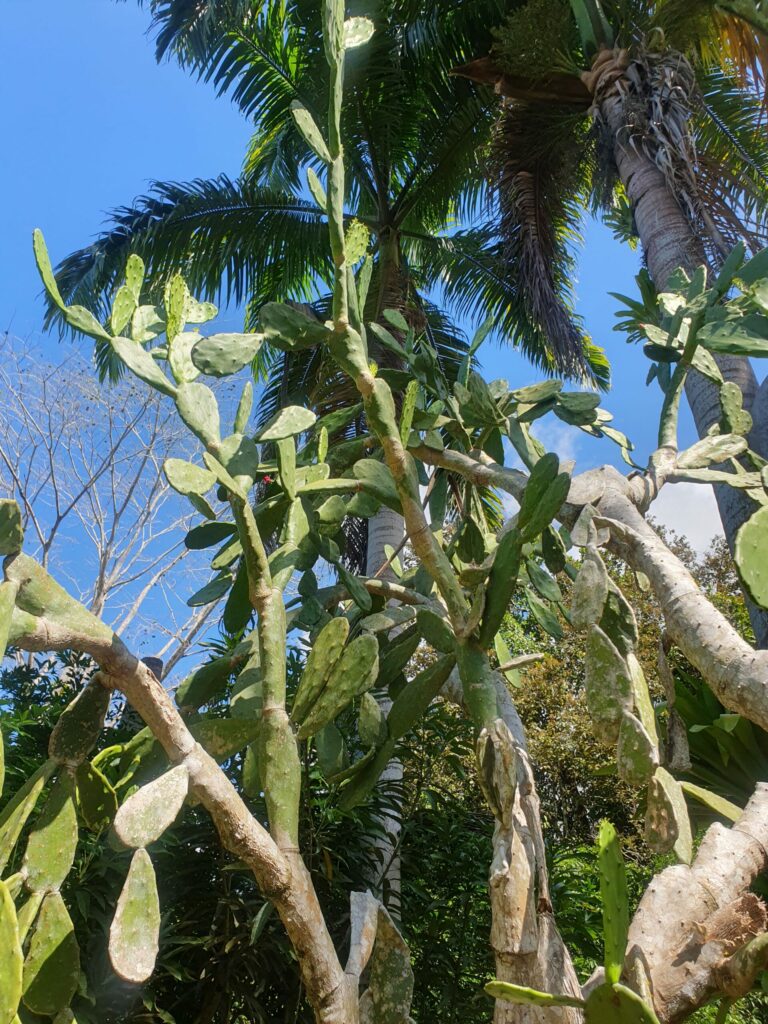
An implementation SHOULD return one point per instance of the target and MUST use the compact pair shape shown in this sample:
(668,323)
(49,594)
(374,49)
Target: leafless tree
(84,461)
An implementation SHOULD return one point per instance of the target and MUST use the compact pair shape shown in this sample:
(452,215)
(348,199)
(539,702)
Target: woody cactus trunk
(698,933)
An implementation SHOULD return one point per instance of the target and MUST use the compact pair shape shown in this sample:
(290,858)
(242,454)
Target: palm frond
(538,167)
(229,238)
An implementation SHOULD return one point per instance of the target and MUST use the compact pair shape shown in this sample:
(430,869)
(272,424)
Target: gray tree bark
(387,529)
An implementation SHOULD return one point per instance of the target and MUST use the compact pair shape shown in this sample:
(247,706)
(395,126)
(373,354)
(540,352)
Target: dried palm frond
(537,165)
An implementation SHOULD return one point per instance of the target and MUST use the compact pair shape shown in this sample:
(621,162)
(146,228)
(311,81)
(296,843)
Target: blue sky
(90,119)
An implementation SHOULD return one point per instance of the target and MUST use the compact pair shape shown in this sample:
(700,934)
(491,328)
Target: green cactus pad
(637,756)
(667,825)
(187,478)
(390,977)
(220,355)
(244,408)
(289,421)
(223,737)
(618,621)
(40,595)
(544,493)
(616,1004)
(248,692)
(590,590)
(146,323)
(53,840)
(122,309)
(8,592)
(735,419)
(214,590)
(11,971)
(199,409)
(148,812)
(613,889)
(253,783)
(96,799)
(607,683)
(394,657)
(135,929)
(52,965)
(11,530)
(15,813)
(134,274)
(44,268)
(377,480)
(325,652)
(751,556)
(643,702)
(371,725)
(717,448)
(435,630)
(141,363)
(28,914)
(287,328)
(331,750)
(523,996)
(501,585)
(353,674)
(717,804)
(407,708)
(312,134)
(77,730)
(208,534)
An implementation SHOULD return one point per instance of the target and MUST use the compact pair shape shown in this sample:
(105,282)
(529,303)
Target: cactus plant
(590,590)
(77,730)
(289,421)
(667,825)
(325,653)
(52,963)
(353,674)
(11,529)
(148,812)
(53,840)
(608,685)
(11,973)
(219,355)
(135,929)
(751,555)
(15,813)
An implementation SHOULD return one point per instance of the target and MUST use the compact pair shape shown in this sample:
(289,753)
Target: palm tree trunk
(387,529)
(669,242)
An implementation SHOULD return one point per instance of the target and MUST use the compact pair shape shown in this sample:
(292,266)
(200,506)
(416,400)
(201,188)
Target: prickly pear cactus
(148,812)
(135,929)
(751,555)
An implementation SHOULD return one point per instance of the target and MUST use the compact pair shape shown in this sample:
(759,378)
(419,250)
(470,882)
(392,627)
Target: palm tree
(652,113)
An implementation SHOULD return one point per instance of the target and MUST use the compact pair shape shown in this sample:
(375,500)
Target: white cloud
(691,510)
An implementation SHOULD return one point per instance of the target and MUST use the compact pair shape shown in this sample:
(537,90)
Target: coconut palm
(649,111)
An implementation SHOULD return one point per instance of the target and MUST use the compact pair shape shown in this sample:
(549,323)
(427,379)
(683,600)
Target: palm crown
(415,140)
(684,80)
